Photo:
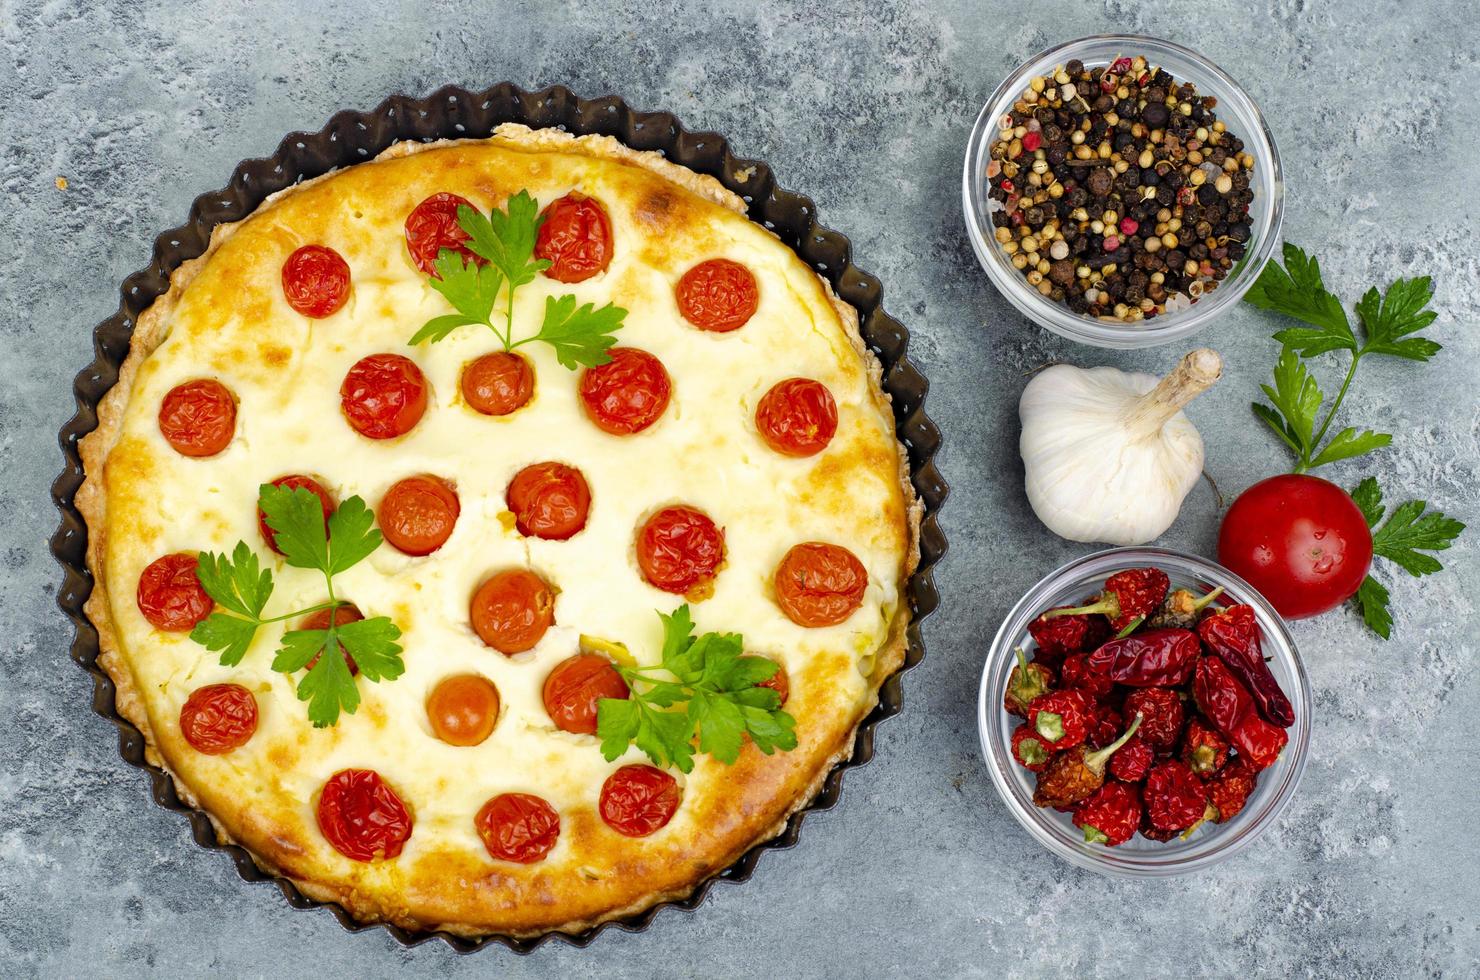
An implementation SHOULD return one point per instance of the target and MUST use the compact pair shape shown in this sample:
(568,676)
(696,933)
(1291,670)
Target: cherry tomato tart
(718,295)
(575,236)
(512,610)
(198,418)
(383,396)
(170,595)
(797,417)
(819,584)
(639,800)
(518,827)
(417,514)
(680,549)
(628,393)
(549,500)
(362,817)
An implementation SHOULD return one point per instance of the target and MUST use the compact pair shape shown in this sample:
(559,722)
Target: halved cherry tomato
(679,548)
(316,281)
(432,226)
(218,718)
(417,514)
(498,383)
(512,610)
(383,396)
(463,709)
(549,500)
(296,481)
(198,418)
(718,295)
(574,687)
(1300,540)
(626,394)
(362,817)
(518,827)
(637,800)
(797,417)
(170,595)
(348,613)
(778,682)
(820,584)
(576,237)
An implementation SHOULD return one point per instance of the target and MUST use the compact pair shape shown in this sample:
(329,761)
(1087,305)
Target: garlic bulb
(1109,456)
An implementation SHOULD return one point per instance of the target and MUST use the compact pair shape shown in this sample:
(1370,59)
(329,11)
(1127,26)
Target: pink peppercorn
(1031,141)
(1128,226)
(1121,65)
(1111,243)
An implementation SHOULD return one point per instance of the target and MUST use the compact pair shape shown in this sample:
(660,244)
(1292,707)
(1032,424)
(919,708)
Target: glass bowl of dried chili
(1234,109)
(1210,842)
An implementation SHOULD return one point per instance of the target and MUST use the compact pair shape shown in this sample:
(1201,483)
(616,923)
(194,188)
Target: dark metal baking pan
(451,113)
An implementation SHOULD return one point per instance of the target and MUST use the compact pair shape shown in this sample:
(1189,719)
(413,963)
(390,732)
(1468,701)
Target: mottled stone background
(866,107)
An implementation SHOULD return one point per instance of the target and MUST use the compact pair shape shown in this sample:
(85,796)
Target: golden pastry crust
(221,317)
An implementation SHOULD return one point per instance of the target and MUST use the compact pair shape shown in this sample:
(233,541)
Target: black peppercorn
(1075,67)
(1099,181)
(1155,115)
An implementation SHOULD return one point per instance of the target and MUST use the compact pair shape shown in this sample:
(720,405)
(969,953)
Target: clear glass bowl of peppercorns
(1122,190)
(1184,699)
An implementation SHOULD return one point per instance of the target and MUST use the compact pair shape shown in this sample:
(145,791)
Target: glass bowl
(1139,857)
(1235,109)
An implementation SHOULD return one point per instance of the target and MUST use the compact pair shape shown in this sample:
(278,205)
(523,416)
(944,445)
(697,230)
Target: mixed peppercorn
(1146,710)
(1117,191)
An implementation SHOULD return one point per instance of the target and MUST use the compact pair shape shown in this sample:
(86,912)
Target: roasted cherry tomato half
(512,610)
(778,682)
(383,396)
(717,295)
(1300,540)
(797,417)
(316,281)
(518,827)
(628,393)
(576,237)
(638,800)
(417,514)
(549,500)
(198,418)
(218,718)
(170,595)
(432,226)
(820,584)
(680,549)
(362,817)
(296,481)
(498,384)
(348,613)
(574,687)
(463,709)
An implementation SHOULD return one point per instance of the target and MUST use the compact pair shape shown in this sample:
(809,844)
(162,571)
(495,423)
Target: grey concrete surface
(920,872)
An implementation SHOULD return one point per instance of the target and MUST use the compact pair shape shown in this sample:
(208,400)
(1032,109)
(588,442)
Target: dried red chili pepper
(1203,749)
(1231,789)
(1026,682)
(1057,636)
(1111,815)
(1076,674)
(1163,712)
(1104,727)
(1150,658)
(1181,608)
(1175,798)
(1233,634)
(1073,775)
(1230,708)
(1127,596)
(1029,750)
(1061,718)
(1133,761)
(1151,832)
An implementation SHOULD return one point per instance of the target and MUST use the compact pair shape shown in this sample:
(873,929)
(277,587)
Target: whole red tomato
(1298,539)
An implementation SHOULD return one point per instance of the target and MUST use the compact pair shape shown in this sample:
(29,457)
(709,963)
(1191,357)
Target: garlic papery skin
(1108,455)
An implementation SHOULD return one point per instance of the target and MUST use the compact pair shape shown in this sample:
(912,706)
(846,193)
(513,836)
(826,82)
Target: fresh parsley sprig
(505,241)
(1389,321)
(1410,531)
(241,587)
(717,687)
